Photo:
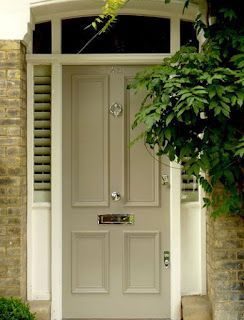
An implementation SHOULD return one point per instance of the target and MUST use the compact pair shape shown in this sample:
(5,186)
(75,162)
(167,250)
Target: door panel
(137,192)
(110,271)
(89,140)
(141,262)
(90,262)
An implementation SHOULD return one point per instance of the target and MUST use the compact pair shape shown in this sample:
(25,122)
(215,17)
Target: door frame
(57,61)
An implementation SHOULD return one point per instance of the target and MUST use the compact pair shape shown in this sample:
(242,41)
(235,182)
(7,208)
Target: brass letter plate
(116,219)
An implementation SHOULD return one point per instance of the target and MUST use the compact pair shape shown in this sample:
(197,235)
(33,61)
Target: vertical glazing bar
(56,35)
(174,35)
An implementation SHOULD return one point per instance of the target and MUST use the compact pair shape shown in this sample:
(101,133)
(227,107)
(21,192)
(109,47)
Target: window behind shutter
(42,133)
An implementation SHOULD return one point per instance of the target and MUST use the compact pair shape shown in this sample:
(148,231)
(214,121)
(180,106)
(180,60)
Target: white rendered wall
(14,18)
(193,277)
(41,253)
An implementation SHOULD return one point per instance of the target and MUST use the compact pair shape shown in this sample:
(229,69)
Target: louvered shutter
(42,133)
(189,187)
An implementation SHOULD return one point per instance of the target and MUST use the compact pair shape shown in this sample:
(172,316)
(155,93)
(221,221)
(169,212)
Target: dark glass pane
(188,34)
(130,34)
(42,38)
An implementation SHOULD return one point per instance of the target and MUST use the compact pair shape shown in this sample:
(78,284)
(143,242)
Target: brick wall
(12,169)
(225,267)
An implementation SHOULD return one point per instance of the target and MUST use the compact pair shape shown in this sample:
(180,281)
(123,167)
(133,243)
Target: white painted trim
(30,161)
(174,35)
(41,205)
(41,296)
(203,227)
(56,193)
(56,35)
(193,204)
(97,59)
(144,9)
(56,242)
(175,241)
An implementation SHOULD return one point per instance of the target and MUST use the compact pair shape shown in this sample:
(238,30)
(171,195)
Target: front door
(111,269)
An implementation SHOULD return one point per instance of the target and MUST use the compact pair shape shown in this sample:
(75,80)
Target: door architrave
(56,219)
(57,62)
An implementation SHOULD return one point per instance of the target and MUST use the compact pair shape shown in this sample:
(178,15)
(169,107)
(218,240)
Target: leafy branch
(193,110)
(109,14)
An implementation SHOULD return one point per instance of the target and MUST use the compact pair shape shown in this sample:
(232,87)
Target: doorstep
(42,309)
(196,308)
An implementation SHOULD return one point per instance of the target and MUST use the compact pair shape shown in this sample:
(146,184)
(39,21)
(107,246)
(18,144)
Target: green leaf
(225,109)
(184,152)
(94,25)
(240,148)
(167,134)
(185,95)
(220,91)
(229,176)
(169,118)
(206,202)
(212,92)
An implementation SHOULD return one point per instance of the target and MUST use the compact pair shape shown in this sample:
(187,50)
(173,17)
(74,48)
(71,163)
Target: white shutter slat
(42,106)
(42,133)
(43,168)
(189,186)
(42,80)
(42,159)
(42,177)
(42,97)
(42,142)
(42,150)
(42,115)
(43,88)
(42,186)
(42,124)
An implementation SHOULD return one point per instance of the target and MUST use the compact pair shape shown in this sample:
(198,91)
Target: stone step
(41,309)
(196,308)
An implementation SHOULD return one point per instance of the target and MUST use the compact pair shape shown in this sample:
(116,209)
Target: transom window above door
(129,34)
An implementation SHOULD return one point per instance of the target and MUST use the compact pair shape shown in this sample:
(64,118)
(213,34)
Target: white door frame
(56,222)
(57,61)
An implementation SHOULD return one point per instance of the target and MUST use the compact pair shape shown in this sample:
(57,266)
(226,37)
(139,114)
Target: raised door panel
(89,100)
(141,176)
(141,262)
(90,262)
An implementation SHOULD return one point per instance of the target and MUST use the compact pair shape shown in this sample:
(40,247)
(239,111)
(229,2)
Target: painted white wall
(14,18)
(41,253)
(191,249)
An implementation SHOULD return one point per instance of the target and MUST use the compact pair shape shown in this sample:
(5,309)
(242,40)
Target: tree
(193,110)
